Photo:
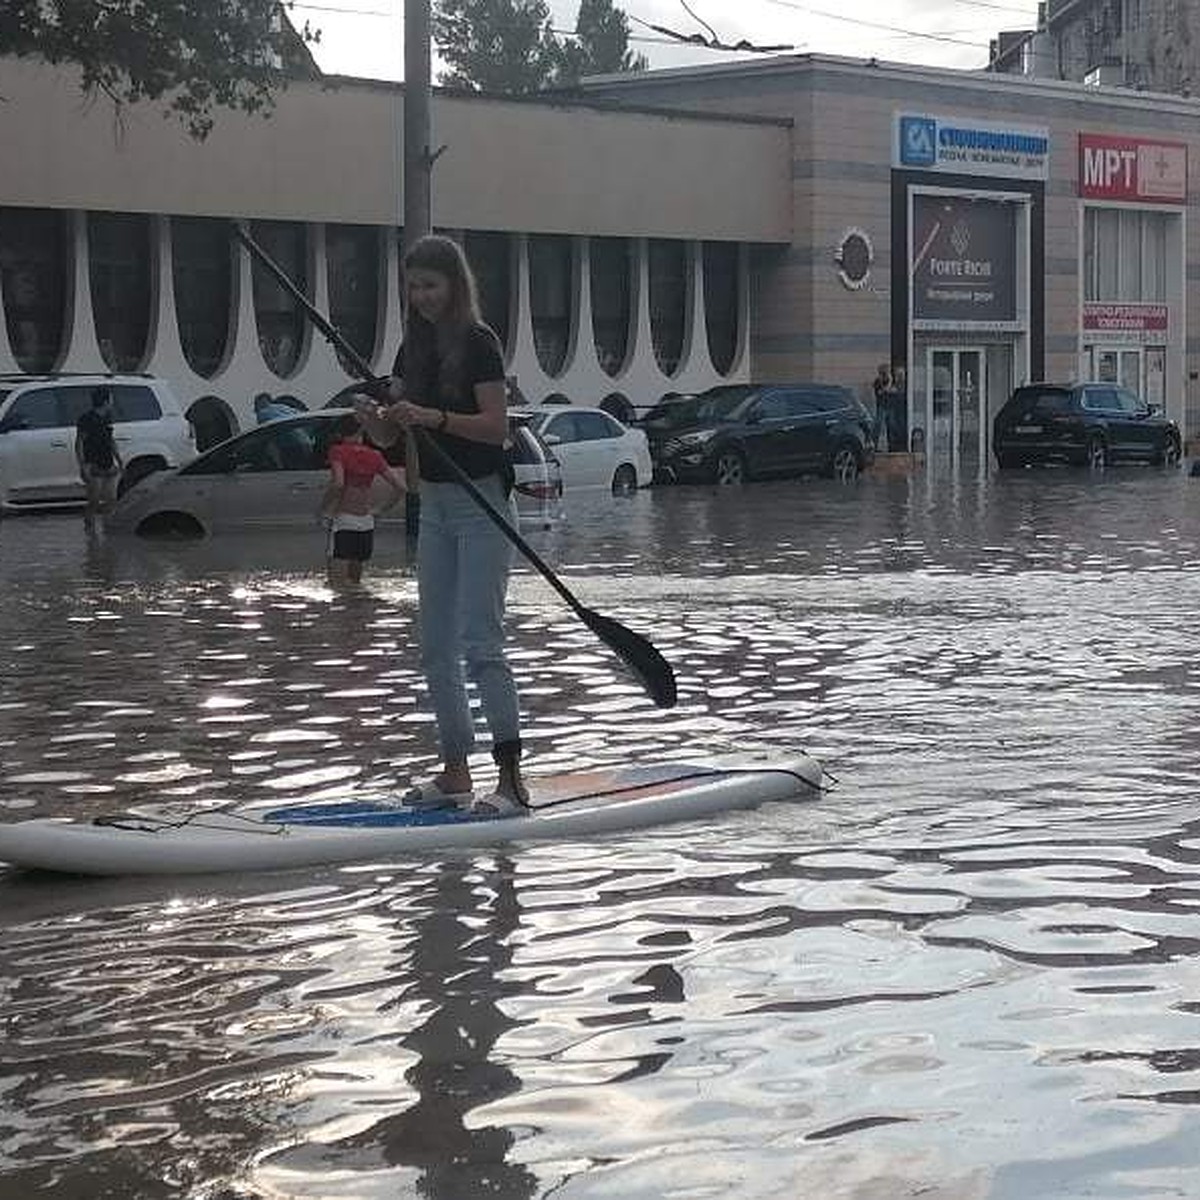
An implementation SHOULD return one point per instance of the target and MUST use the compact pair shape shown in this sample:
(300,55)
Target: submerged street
(971,969)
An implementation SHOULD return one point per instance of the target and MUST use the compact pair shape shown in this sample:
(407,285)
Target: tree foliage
(511,46)
(192,56)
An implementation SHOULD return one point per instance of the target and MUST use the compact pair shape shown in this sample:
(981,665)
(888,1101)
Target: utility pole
(418,160)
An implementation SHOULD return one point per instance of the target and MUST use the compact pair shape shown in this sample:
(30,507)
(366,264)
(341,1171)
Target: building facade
(789,219)
(1003,229)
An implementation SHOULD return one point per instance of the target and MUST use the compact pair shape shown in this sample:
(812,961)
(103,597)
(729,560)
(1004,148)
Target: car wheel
(729,469)
(1170,454)
(624,481)
(844,465)
(1096,452)
(171,527)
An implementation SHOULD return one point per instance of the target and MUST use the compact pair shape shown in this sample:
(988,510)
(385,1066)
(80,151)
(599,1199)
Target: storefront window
(1124,255)
(120,261)
(354,254)
(202,275)
(611,276)
(33,276)
(281,324)
(490,256)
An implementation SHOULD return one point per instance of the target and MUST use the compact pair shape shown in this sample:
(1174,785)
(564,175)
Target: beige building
(800,218)
(1011,229)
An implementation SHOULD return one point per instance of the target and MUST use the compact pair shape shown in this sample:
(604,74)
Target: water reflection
(968,972)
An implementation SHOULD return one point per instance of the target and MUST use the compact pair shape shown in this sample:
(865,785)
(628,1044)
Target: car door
(1105,401)
(37,450)
(600,438)
(768,433)
(1144,434)
(562,434)
(273,476)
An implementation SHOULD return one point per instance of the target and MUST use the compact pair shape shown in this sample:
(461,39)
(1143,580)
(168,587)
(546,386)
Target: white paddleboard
(164,841)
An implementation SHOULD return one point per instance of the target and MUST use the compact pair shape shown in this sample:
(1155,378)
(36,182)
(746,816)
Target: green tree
(191,56)
(495,45)
(600,45)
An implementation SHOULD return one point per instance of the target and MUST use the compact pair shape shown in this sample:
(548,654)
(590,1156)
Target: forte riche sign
(1132,169)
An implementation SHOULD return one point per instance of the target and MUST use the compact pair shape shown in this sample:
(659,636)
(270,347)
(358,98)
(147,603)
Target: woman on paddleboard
(448,381)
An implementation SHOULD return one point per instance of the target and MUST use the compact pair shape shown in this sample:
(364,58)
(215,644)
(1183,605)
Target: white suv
(37,434)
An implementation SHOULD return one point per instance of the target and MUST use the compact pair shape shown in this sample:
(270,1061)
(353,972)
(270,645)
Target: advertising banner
(1125,322)
(970,146)
(1129,168)
(964,267)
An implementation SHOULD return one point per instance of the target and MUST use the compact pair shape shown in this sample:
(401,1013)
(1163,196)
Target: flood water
(971,969)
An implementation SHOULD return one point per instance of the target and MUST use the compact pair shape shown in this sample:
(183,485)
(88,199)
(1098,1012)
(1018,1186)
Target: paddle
(647,664)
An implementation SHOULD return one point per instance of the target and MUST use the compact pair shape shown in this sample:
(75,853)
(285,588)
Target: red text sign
(1124,168)
(1125,318)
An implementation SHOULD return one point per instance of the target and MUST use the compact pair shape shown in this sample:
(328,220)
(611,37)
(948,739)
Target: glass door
(957,406)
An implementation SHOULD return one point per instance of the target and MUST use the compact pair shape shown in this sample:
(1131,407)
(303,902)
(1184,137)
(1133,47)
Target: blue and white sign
(970,147)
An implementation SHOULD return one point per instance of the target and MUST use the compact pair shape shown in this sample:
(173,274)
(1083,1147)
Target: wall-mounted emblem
(854,257)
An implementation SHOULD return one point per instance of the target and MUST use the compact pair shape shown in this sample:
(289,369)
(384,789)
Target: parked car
(594,449)
(274,475)
(738,432)
(37,434)
(1087,423)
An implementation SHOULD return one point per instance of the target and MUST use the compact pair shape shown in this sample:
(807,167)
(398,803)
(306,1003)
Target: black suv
(1088,423)
(737,432)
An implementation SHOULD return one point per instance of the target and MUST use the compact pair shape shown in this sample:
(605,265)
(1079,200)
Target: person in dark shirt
(97,456)
(448,380)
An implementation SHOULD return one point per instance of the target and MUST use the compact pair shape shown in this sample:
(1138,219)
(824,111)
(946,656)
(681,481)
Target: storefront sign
(1125,168)
(1126,322)
(964,267)
(970,147)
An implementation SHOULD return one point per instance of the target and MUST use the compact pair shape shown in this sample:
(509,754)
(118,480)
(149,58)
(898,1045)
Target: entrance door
(957,406)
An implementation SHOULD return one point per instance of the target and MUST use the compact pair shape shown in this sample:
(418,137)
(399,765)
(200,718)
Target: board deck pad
(624,783)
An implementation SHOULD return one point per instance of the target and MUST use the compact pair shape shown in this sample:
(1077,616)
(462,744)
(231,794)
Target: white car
(38,468)
(274,477)
(594,448)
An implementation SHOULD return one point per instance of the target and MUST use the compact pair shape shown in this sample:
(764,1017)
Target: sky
(366,37)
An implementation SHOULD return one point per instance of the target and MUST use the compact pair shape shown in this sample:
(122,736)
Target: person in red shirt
(348,505)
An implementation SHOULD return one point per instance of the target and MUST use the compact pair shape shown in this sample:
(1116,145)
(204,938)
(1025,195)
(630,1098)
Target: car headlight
(698,438)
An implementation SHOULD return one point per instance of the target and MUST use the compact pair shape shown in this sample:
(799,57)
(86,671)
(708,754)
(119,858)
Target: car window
(524,446)
(829,399)
(1129,402)
(562,426)
(73,402)
(773,406)
(37,409)
(134,402)
(279,446)
(1101,399)
(596,426)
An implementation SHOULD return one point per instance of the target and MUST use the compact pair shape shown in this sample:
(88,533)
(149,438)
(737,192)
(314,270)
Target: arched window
(213,420)
(551,299)
(612,299)
(490,256)
(618,406)
(281,324)
(34,269)
(202,273)
(668,301)
(121,269)
(722,303)
(353,254)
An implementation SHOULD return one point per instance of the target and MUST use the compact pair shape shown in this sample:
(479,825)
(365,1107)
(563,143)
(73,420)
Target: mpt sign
(1129,168)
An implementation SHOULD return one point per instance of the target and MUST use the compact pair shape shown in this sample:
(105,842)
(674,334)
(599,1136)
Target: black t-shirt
(482,363)
(96,431)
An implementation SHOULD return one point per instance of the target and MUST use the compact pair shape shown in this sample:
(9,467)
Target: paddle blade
(652,670)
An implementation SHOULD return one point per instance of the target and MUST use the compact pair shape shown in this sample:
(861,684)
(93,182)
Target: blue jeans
(463,562)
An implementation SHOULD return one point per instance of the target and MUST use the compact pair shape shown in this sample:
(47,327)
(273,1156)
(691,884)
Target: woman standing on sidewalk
(448,380)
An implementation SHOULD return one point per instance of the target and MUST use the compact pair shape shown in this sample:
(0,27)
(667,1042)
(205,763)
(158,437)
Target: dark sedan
(1091,424)
(738,432)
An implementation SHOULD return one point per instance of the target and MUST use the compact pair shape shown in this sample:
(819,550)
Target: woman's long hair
(425,358)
